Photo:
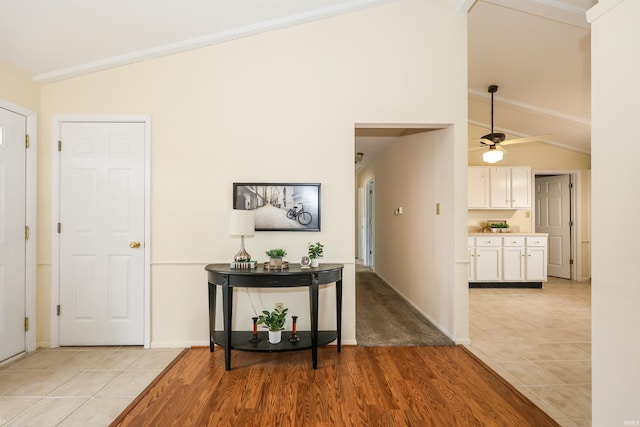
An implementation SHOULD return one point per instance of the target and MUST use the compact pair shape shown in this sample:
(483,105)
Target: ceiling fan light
(492,156)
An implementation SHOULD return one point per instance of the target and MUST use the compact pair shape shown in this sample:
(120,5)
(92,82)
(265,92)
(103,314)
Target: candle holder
(254,337)
(294,337)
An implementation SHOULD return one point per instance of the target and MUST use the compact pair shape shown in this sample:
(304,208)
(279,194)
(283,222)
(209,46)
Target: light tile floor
(71,386)
(540,341)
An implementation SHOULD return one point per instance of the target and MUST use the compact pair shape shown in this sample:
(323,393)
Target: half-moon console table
(294,276)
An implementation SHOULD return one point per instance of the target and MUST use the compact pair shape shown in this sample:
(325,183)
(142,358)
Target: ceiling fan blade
(484,141)
(485,148)
(543,138)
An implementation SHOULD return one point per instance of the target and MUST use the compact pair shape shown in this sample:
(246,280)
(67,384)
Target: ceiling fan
(495,140)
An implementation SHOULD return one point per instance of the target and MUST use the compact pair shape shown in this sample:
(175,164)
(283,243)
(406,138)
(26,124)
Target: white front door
(553,216)
(12,233)
(102,193)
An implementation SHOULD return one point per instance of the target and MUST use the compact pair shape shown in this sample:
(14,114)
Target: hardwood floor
(361,386)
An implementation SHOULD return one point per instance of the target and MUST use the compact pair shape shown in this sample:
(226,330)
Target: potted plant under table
(274,321)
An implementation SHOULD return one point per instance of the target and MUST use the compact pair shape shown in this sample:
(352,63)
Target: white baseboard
(429,318)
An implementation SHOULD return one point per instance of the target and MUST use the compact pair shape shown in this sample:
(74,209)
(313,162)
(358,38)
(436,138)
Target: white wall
(276,107)
(615,178)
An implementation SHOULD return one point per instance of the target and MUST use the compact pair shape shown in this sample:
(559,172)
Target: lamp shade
(242,223)
(492,156)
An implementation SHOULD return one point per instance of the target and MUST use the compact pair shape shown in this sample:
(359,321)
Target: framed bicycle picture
(280,206)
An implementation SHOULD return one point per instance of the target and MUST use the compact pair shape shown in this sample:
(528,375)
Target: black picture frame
(280,206)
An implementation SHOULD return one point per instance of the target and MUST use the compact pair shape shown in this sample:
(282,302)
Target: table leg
(313,297)
(339,312)
(227,309)
(213,290)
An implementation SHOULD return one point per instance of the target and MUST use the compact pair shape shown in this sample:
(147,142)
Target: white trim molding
(601,8)
(207,40)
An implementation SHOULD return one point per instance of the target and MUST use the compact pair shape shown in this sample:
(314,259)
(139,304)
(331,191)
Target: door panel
(12,233)
(101,213)
(553,210)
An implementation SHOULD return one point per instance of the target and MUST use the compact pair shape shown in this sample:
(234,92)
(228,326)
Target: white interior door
(370,225)
(12,233)
(101,223)
(361,220)
(553,216)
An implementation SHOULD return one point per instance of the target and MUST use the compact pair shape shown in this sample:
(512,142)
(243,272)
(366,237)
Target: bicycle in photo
(301,215)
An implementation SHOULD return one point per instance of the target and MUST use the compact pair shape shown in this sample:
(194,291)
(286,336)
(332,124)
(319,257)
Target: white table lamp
(242,224)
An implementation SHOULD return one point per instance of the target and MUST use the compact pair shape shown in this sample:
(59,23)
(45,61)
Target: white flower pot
(315,262)
(275,337)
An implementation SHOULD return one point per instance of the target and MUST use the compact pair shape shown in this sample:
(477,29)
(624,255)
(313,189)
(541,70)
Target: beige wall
(540,157)
(17,86)
(615,290)
(277,107)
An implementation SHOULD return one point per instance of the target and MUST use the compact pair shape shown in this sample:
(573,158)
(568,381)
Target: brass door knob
(134,245)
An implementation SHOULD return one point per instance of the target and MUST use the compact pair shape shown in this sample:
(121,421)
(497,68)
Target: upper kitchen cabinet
(510,187)
(478,187)
(499,187)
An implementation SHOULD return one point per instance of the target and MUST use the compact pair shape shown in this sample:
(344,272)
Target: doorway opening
(398,166)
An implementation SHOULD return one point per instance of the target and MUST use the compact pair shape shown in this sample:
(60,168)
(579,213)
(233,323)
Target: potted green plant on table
(315,251)
(275,257)
(274,322)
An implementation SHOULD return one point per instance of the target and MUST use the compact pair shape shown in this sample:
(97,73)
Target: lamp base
(242,256)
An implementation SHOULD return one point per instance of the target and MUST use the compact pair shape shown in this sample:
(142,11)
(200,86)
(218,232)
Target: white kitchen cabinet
(536,259)
(499,187)
(472,258)
(510,187)
(478,187)
(511,258)
(488,259)
(520,187)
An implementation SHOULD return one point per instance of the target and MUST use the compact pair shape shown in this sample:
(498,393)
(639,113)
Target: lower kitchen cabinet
(503,260)
(513,260)
(536,259)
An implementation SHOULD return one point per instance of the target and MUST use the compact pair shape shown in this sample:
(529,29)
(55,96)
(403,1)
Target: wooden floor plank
(361,386)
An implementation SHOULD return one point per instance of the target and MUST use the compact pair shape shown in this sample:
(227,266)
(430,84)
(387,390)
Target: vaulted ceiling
(537,51)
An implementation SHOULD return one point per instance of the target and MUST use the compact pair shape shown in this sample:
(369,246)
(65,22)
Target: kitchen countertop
(489,233)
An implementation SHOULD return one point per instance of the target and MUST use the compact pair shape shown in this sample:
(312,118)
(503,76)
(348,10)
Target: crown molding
(528,107)
(548,9)
(464,6)
(207,40)
(601,8)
